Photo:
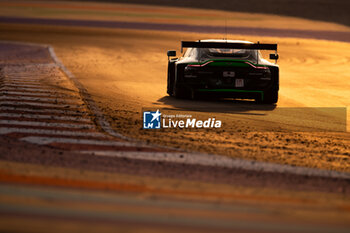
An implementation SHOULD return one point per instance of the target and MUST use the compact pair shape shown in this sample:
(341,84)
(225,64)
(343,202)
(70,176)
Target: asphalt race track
(74,158)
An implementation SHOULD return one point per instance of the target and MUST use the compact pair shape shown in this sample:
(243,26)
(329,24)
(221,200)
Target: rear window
(226,52)
(203,54)
(245,54)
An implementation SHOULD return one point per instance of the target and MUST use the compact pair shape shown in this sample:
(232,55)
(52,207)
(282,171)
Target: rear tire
(171,77)
(194,94)
(270,97)
(179,92)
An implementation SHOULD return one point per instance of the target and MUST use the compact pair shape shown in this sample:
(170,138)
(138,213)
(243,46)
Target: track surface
(40,105)
(43,103)
(85,177)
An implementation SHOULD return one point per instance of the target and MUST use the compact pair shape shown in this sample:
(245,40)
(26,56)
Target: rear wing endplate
(227,45)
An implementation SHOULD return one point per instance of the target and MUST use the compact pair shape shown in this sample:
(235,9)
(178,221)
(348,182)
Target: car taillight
(199,65)
(257,67)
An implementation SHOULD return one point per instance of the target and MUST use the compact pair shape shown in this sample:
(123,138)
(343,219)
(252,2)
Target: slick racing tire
(179,91)
(270,97)
(171,74)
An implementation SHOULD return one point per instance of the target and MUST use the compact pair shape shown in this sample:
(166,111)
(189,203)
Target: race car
(224,68)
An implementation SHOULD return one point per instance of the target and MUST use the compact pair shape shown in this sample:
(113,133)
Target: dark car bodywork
(223,68)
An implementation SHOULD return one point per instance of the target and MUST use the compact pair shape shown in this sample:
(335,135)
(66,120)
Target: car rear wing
(227,45)
(231,45)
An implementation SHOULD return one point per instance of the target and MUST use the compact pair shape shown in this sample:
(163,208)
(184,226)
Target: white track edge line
(48,140)
(6,130)
(42,116)
(100,119)
(28,123)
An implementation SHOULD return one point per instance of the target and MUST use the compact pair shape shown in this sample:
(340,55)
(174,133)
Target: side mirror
(171,53)
(274,56)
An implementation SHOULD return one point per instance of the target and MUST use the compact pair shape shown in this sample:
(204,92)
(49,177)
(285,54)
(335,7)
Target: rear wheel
(269,97)
(179,91)
(194,94)
(171,77)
